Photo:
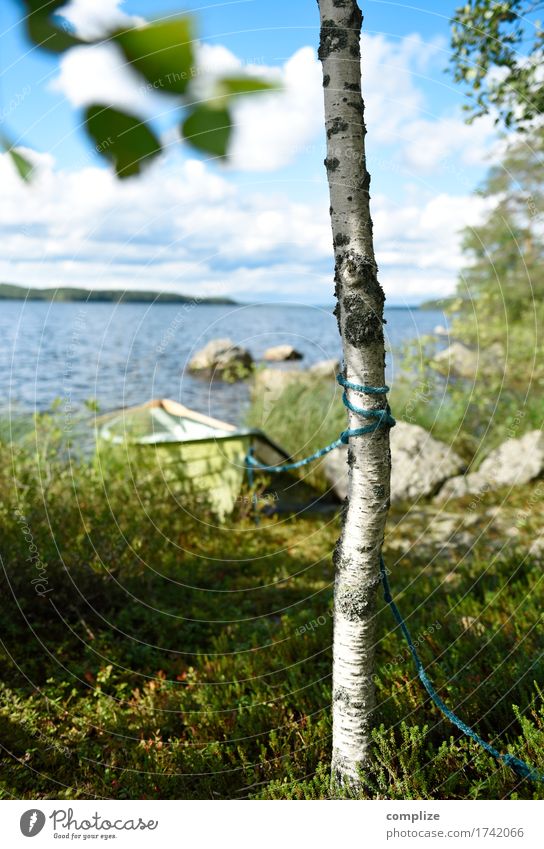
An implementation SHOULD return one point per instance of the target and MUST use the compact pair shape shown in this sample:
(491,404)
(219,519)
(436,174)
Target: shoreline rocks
(420,464)
(515,462)
(458,360)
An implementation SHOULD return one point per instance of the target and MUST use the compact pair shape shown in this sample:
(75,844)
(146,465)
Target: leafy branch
(498,50)
(162,54)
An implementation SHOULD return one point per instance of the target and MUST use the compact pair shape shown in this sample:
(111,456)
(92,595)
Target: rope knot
(382,418)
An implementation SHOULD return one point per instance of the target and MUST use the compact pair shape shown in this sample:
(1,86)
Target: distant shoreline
(67,294)
(72,294)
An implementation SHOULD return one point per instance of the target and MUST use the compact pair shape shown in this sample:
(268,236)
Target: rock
(325,368)
(515,462)
(268,385)
(462,485)
(537,547)
(440,330)
(419,464)
(223,358)
(460,361)
(281,353)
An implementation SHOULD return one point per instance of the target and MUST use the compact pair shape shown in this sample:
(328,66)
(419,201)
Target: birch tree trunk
(359,311)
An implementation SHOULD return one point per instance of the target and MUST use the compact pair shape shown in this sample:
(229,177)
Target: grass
(169,658)
(453,410)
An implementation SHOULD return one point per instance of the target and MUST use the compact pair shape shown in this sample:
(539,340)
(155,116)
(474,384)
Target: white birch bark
(359,311)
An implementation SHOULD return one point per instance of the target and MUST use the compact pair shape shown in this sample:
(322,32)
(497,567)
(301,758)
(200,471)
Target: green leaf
(45,32)
(208,129)
(22,164)
(123,139)
(245,85)
(161,52)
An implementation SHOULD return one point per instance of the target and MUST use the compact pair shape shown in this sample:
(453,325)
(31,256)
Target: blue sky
(257,229)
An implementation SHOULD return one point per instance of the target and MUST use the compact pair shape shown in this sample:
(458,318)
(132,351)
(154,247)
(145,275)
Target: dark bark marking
(326,80)
(332,39)
(362,325)
(337,126)
(340,240)
(357,105)
(331,164)
(343,695)
(357,603)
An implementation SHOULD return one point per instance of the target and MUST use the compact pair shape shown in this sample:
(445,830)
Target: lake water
(124,354)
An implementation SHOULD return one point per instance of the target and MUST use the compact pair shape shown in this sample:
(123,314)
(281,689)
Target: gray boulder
(325,368)
(222,357)
(515,462)
(281,353)
(419,464)
(268,385)
(460,361)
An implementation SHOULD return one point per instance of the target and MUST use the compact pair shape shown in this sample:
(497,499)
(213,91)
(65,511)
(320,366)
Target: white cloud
(186,227)
(98,74)
(273,130)
(95,18)
(390,71)
(183,227)
(448,142)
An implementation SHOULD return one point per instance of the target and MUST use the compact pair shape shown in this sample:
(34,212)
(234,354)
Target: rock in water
(419,464)
(515,462)
(281,353)
(222,358)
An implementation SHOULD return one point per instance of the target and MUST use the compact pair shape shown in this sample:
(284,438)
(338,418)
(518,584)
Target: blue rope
(383,418)
(523,769)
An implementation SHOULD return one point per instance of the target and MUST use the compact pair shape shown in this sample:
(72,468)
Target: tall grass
(171,658)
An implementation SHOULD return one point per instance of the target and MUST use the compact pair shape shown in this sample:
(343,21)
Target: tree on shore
(497,52)
(359,310)
(161,52)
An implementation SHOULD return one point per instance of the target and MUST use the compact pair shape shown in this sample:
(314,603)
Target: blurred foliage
(502,283)
(162,54)
(497,51)
(171,658)
(498,314)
